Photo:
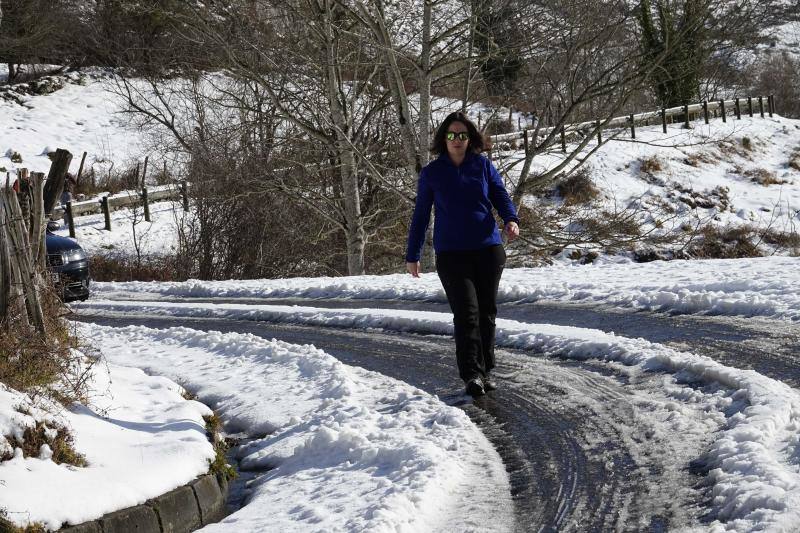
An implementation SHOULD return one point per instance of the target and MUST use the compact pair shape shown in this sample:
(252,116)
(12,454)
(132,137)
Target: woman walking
(464,186)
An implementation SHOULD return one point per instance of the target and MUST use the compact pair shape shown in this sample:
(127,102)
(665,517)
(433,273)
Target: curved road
(577,438)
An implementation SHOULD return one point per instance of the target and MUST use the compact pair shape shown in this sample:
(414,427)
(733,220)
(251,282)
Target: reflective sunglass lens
(461,136)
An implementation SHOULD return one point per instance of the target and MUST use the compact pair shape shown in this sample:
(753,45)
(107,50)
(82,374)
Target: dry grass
(783,240)
(219,465)
(651,165)
(8,527)
(39,365)
(44,367)
(124,268)
(578,188)
(695,159)
(725,243)
(794,159)
(61,445)
(763,177)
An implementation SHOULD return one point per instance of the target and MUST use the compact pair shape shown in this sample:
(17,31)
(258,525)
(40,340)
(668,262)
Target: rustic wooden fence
(735,107)
(22,253)
(107,204)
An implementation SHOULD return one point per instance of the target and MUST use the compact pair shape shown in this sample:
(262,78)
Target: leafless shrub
(496,125)
(731,242)
(794,160)
(780,75)
(588,230)
(111,181)
(763,177)
(578,188)
(783,240)
(650,165)
(123,267)
(747,144)
(44,366)
(697,158)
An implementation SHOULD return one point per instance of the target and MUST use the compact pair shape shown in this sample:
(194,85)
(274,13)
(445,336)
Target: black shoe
(475,387)
(489,383)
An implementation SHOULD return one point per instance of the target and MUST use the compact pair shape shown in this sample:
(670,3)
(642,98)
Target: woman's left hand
(512,230)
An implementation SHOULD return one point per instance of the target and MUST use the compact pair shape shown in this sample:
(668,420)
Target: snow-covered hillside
(742,172)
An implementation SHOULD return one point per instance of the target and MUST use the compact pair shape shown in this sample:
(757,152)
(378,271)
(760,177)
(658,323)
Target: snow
(155,238)
(348,449)
(764,287)
(140,437)
(754,476)
(77,118)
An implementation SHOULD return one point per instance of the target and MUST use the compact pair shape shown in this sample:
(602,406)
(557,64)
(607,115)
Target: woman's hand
(413,269)
(512,230)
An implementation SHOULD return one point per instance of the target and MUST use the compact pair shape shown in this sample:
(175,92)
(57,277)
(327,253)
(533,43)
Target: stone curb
(181,510)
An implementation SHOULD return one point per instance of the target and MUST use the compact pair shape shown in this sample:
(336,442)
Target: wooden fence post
(5,271)
(80,170)
(771,104)
(633,126)
(55,179)
(185,196)
(106,212)
(750,106)
(144,172)
(738,110)
(664,119)
(761,106)
(146,205)
(599,132)
(686,116)
(705,110)
(722,111)
(563,141)
(38,233)
(69,219)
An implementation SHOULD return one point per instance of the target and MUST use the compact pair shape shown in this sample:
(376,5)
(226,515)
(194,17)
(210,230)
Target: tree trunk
(395,78)
(428,262)
(470,45)
(348,172)
(5,269)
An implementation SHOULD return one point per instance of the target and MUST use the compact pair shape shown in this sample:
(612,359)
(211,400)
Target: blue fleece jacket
(463,197)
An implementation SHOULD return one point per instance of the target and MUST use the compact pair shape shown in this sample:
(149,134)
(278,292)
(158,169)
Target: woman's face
(457,147)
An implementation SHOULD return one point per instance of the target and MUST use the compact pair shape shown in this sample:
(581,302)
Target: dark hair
(476,141)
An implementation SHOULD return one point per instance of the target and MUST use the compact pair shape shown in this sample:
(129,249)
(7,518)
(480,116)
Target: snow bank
(748,287)
(141,438)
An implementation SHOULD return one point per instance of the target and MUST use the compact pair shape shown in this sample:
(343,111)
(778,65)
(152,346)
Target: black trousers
(470,280)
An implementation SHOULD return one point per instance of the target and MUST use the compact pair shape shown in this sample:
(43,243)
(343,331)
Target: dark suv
(68,267)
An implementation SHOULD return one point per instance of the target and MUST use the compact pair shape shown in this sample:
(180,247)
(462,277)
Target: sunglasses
(461,136)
